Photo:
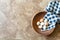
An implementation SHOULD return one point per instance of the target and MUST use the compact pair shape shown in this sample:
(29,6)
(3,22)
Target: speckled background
(15,20)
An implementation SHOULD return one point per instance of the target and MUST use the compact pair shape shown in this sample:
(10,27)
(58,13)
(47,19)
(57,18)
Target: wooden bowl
(36,18)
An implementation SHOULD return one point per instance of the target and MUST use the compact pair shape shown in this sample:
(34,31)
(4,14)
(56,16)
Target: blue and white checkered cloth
(52,20)
(53,14)
(53,6)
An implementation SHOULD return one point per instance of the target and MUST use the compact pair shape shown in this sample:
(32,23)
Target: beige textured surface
(15,20)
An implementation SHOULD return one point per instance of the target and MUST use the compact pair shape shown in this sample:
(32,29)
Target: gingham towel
(53,6)
(53,14)
(52,20)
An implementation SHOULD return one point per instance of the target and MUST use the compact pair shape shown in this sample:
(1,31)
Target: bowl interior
(36,18)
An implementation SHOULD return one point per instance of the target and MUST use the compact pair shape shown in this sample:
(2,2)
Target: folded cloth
(53,6)
(52,20)
(52,15)
(49,7)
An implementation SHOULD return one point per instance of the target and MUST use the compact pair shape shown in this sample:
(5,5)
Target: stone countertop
(15,20)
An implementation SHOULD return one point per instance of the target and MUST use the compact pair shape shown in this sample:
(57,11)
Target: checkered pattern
(52,19)
(50,27)
(53,15)
(54,7)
